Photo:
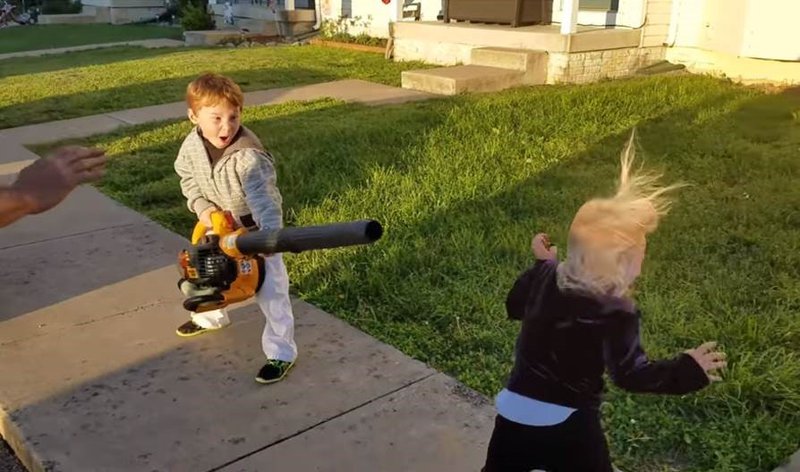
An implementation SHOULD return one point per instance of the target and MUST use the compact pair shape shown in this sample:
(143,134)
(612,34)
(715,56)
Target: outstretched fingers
(707,347)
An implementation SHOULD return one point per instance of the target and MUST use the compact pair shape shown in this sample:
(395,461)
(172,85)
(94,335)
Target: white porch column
(569,16)
(396,13)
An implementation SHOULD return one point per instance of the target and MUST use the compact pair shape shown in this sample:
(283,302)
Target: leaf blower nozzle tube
(309,237)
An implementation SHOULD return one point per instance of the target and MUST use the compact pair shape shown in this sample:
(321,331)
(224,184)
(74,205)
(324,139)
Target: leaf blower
(223,266)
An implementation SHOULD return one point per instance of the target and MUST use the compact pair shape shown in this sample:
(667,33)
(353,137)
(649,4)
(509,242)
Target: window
(347,8)
(603,5)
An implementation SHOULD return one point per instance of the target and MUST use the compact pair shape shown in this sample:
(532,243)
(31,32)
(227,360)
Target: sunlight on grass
(460,184)
(35,37)
(161,77)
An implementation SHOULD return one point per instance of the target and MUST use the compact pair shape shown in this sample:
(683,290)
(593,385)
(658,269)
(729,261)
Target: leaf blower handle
(299,239)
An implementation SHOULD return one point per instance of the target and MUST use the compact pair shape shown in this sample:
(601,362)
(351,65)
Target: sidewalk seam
(320,423)
(87,322)
(124,122)
(65,236)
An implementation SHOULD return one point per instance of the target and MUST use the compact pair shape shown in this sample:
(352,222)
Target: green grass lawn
(36,90)
(461,184)
(35,37)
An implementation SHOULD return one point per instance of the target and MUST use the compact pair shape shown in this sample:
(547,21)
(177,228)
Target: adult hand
(46,182)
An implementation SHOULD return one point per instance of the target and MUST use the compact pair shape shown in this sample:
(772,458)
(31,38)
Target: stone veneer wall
(591,66)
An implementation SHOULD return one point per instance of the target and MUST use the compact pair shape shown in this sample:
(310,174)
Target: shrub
(196,18)
(61,7)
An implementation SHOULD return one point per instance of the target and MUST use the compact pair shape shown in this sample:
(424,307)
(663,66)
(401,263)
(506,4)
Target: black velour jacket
(568,339)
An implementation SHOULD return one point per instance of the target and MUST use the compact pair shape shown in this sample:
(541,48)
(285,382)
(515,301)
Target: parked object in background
(513,12)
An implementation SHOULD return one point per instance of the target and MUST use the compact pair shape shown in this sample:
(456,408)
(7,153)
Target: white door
(770,31)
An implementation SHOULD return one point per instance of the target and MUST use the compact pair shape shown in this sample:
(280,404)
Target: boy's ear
(192,117)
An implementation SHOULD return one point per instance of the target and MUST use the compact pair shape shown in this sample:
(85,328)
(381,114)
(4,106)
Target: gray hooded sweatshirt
(242,180)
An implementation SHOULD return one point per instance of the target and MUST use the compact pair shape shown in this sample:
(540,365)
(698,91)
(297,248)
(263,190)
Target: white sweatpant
(277,341)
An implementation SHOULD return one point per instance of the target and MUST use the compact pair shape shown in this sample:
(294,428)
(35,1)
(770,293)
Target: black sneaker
(190,328)
(273,371)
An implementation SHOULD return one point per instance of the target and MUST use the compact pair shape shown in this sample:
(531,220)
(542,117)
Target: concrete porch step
(532,63)
(663,67)
(461,79)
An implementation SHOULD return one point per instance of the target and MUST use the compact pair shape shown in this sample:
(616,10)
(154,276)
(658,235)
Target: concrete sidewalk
(95,378)
(792,465)
(145,43)
(17,156)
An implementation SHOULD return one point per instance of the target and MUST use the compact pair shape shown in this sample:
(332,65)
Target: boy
(223,166)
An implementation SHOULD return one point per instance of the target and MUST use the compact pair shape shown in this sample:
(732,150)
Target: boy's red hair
(210,89)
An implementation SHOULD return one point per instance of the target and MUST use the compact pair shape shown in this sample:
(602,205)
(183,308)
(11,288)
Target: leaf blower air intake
(223,264)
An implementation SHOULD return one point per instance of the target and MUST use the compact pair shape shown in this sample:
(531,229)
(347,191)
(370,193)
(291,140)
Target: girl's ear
(192,116)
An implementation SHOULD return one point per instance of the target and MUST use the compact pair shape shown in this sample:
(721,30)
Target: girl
(577,321)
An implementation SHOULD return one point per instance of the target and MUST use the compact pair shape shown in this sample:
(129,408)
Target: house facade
(373,17)
(747,40)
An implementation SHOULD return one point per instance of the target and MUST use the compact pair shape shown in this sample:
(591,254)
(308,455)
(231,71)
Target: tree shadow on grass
(722,266)
(147,94)
(312,165)
(71,60)
(282,67)
(322,149)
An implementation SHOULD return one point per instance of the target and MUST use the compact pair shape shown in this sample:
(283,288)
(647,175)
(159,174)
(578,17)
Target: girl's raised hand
(709,359)
(542,250)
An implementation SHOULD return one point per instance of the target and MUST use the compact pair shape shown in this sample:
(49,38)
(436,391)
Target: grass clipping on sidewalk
(461,184)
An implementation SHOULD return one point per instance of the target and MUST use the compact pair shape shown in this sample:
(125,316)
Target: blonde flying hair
(606,232)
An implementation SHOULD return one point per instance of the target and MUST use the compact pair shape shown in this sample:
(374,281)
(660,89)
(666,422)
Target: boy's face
(219,123)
